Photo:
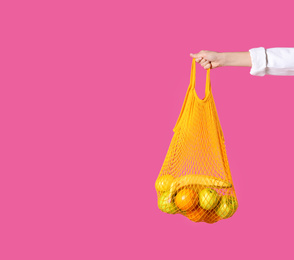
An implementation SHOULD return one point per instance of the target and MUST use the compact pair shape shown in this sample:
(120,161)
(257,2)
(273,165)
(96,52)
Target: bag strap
(193,82)
(192,88)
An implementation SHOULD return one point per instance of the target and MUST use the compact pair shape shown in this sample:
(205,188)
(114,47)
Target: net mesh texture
(195,178)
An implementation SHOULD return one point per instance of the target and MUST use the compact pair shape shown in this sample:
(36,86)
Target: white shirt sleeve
(272,61)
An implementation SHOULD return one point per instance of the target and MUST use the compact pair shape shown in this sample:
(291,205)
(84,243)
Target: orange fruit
(211,217)
(196,215)
(186,199)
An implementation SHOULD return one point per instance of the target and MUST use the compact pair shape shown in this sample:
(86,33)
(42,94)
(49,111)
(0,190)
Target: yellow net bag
(195,178)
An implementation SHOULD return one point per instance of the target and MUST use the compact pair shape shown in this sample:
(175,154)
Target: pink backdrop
(90,93)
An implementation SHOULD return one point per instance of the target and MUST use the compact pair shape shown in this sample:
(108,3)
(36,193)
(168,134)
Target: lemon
(164,182)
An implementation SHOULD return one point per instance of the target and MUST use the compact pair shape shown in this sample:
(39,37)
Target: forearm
(241,59)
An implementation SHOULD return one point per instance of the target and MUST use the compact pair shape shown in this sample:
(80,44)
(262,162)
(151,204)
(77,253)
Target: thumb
(196,55)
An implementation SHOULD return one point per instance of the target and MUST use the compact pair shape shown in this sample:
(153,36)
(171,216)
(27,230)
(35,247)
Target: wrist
(236,59)
(222,60)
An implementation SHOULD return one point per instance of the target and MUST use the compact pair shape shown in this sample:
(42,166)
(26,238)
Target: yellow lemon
(164,182)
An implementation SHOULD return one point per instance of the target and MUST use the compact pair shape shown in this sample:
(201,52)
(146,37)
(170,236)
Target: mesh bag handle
(192,91)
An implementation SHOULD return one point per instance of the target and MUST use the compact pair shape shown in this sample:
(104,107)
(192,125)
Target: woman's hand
(209,59)
(213,59)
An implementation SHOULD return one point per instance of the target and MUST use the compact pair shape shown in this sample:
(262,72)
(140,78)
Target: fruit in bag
(208,198)
(211,217)
(186,199)
(195,215)
(166,206)
(227,207)
(196,181)
(164,182)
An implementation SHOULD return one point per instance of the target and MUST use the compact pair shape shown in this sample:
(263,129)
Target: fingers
(201,60)
(204,62)
(198,56)
(207,66)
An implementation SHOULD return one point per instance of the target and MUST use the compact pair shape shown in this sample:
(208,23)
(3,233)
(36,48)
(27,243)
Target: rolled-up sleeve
(272,61)
(258,60)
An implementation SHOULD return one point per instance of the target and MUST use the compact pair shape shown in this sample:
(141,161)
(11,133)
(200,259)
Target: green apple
(227,206)
(166,206)
(208,198)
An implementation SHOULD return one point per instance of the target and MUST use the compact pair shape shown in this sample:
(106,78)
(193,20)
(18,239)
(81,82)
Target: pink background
(90,93)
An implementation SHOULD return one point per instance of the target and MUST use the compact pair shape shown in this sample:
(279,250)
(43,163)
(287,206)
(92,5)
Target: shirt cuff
(258,60)
(280,61)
